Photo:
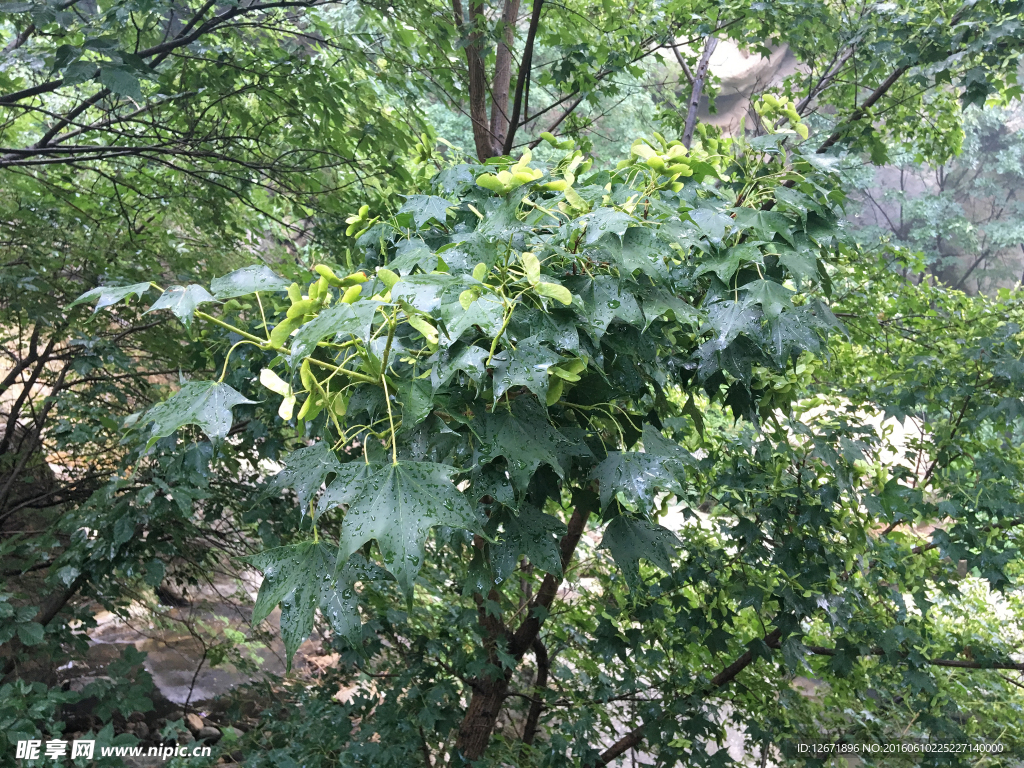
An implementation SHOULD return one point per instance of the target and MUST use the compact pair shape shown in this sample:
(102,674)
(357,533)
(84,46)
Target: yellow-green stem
(227,357)
(391,421)
(231,328)
(344,371)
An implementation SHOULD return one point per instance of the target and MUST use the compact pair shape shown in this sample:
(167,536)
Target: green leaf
(207,404)
(531,533)
(712,224)
(637,476)
(121,81)
(301,578)
(525,366)
(412,254)
(338,321)
(605,221)
(30,633)
(802,263)
(339,603)
(416,396)
(725,265)
(247,280)
(397,505)
(487,313)
(426,207)
(728,319)
(772,296)
(629,539)
(523,437)
(182,301)
(80,72)
(470,359)
(656,303)
(605,299)
(765,224)
(306,470)
(423,291)
(639,249)
(108,295)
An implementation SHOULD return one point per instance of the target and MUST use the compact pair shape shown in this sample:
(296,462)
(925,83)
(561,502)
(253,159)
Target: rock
(140,729)
(193,722)
(184,737)
(175,715)
(136,717)
(208,734)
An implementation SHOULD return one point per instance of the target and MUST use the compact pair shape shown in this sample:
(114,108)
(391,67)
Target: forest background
(804,409)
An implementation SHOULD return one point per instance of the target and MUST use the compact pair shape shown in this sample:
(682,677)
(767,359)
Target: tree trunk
(502,80)
(480,718)
(477,77)
(489,694)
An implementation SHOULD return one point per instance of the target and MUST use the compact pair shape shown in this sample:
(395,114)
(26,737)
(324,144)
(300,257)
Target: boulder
(208,734)
(193,722)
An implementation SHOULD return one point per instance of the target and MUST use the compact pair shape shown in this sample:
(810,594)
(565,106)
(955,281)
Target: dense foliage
(563,462)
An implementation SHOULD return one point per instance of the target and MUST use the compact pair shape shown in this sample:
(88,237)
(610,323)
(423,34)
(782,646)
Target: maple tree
(516,364)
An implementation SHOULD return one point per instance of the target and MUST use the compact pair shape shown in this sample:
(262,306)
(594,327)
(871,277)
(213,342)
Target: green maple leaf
(426,207)
(300,577)
(424,291)
(638,476)
(305,472)
(531,533)
(247,280)
(108,295)
(605,299)
(789,334)
(630,538)
(523,437)
(469,359)
(728,319)
(725,265)
(772,296)
(605,221)
(487,313)
(397,505)
(338,321)
(557,329)
(639,248)
(802,263)
(712,224)
(412,254)
(339,603)
(182,301)
(526,365)
(207,404)
(765,224)
(656,303)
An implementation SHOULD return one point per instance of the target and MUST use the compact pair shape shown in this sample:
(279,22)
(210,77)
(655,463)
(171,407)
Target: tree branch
(698,89)
(955,663)
(537,704)
(636,736)
(585,502)
(525,65)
